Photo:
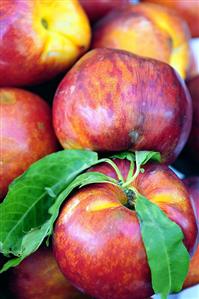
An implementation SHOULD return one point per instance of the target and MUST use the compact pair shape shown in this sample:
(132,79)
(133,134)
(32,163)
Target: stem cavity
(131,197)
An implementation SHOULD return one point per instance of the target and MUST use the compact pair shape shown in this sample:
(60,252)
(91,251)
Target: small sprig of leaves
(138,159)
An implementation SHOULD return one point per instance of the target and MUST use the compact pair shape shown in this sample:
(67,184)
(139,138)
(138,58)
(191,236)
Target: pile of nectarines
(108,76)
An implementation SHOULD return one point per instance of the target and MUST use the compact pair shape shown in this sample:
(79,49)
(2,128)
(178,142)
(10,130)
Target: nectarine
(112,100)
(26,133)
(40,39)
(97,240)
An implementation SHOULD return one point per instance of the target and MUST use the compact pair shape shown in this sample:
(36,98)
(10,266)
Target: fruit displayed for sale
(189,10)
(193,142)
(112,100)
(102,215)
(40,39)
(137,203)
(97,236)
(96,9)
(38,276)
(26,133)
(148,30)
(192,184)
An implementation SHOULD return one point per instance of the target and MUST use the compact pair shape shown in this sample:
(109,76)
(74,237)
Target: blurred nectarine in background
(38,277)
(148,30)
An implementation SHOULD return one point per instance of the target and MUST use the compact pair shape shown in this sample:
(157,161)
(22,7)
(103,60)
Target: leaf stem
(163,296)
(130,179)
(130,173)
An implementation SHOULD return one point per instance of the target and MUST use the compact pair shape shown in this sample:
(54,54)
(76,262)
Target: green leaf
(11,263)
(167,256)
(33,239)
(30,243)
(124,155)
(26,205)
(142,157)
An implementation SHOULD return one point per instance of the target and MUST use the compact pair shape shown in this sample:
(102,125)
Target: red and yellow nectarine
(97,240)
(26,133)
(112,100)
(40,39)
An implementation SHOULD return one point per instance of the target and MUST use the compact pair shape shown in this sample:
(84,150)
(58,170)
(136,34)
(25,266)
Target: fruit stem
(131,196)
(109,161)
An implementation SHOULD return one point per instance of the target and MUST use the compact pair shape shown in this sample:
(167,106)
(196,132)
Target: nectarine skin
(26,133)
(193,274)
(40,39)
(38,277)
(112,100)
(97,240)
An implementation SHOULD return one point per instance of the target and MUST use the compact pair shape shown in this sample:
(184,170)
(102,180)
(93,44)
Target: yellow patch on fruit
(178,59)
(7,98)
(64,29)
(166,197)
(41,126)
(70,144)
(101,205)
(180,56)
